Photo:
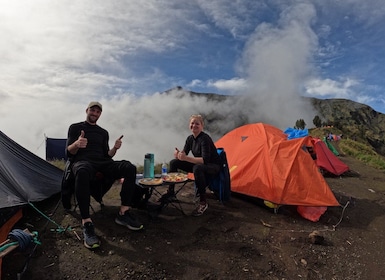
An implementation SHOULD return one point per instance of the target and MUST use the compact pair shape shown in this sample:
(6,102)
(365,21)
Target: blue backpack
(221,184)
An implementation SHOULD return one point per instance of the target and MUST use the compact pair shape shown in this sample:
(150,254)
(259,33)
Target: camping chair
(220,184)
(100,186)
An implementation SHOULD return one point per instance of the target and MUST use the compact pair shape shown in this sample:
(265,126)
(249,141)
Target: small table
(153,189)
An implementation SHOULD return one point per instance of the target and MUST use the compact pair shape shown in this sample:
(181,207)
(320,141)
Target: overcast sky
(56,56)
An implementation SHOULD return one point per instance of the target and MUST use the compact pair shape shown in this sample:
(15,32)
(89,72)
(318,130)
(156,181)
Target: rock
(316,238)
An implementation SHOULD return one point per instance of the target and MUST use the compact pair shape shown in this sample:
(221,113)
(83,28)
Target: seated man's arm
(118,144)
(81,142)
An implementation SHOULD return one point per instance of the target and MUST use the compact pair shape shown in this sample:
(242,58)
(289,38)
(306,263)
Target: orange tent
(264,164)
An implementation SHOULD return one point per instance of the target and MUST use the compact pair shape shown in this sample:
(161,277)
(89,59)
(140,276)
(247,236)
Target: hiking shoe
(200,209)
(91,241)
(128,220)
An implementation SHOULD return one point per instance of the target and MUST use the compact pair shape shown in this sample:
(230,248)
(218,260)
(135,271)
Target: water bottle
(164,169)
(146,167)
(148,171)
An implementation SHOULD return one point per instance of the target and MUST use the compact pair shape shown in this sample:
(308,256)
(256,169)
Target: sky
(57,56)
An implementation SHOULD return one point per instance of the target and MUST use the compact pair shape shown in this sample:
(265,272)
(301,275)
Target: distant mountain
(354,120)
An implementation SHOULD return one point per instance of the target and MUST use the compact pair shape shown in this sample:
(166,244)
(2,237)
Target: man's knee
(82,174)
(81,168)
(128,167)
(174,165)
(198,168)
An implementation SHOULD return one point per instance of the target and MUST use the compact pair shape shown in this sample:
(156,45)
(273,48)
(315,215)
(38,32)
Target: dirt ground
(240,239)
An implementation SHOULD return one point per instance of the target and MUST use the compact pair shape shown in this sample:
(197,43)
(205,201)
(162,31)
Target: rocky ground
(241,239)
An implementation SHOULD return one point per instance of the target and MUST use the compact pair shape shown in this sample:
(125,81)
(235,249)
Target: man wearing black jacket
(89,153)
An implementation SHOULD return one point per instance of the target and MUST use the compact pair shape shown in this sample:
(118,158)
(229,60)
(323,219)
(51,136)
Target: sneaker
(128,220)
(91,241)
(200,209)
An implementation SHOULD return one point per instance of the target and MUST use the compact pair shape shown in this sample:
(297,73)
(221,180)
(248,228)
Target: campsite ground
(238,240)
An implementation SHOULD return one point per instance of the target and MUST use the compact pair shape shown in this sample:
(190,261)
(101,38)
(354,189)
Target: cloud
(345,88)
(71,39)
(275,61)
(236,17)
(78,55)
(327,88)
(234,85)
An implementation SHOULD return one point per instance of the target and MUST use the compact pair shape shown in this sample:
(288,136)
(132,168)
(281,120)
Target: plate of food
(151,181)
(175,177)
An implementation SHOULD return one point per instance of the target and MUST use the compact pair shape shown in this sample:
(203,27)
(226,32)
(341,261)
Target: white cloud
(346,88)
(94,39)
(195,83)
(328,88)
(275,61)
(234,85)
(236,17)
(331,88)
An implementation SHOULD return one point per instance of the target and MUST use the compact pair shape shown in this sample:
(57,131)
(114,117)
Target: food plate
(151,181)
(175,177)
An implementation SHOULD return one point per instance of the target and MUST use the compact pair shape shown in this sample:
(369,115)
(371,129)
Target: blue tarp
(296,133)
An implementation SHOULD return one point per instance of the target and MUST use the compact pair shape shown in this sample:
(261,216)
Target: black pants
(202,173)
(85,171)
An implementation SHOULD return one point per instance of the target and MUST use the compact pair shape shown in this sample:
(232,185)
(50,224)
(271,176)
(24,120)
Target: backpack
(221,184)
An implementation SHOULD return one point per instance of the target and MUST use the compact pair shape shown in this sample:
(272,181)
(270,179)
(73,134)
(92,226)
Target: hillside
(356,121)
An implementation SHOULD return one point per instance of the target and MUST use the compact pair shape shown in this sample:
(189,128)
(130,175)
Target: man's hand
(182,155)
(118,143)
(176,152)
(82,141)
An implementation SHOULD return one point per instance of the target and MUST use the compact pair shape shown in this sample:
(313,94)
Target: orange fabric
(190,176)
(264,164)
(312,213)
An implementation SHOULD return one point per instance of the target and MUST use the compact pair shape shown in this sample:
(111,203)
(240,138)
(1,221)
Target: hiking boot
(128,220)
(200,209)
(91,241)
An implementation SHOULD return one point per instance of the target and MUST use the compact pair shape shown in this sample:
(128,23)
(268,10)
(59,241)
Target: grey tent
(25,177)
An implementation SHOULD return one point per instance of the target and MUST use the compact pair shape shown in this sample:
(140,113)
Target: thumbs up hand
(82,141)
